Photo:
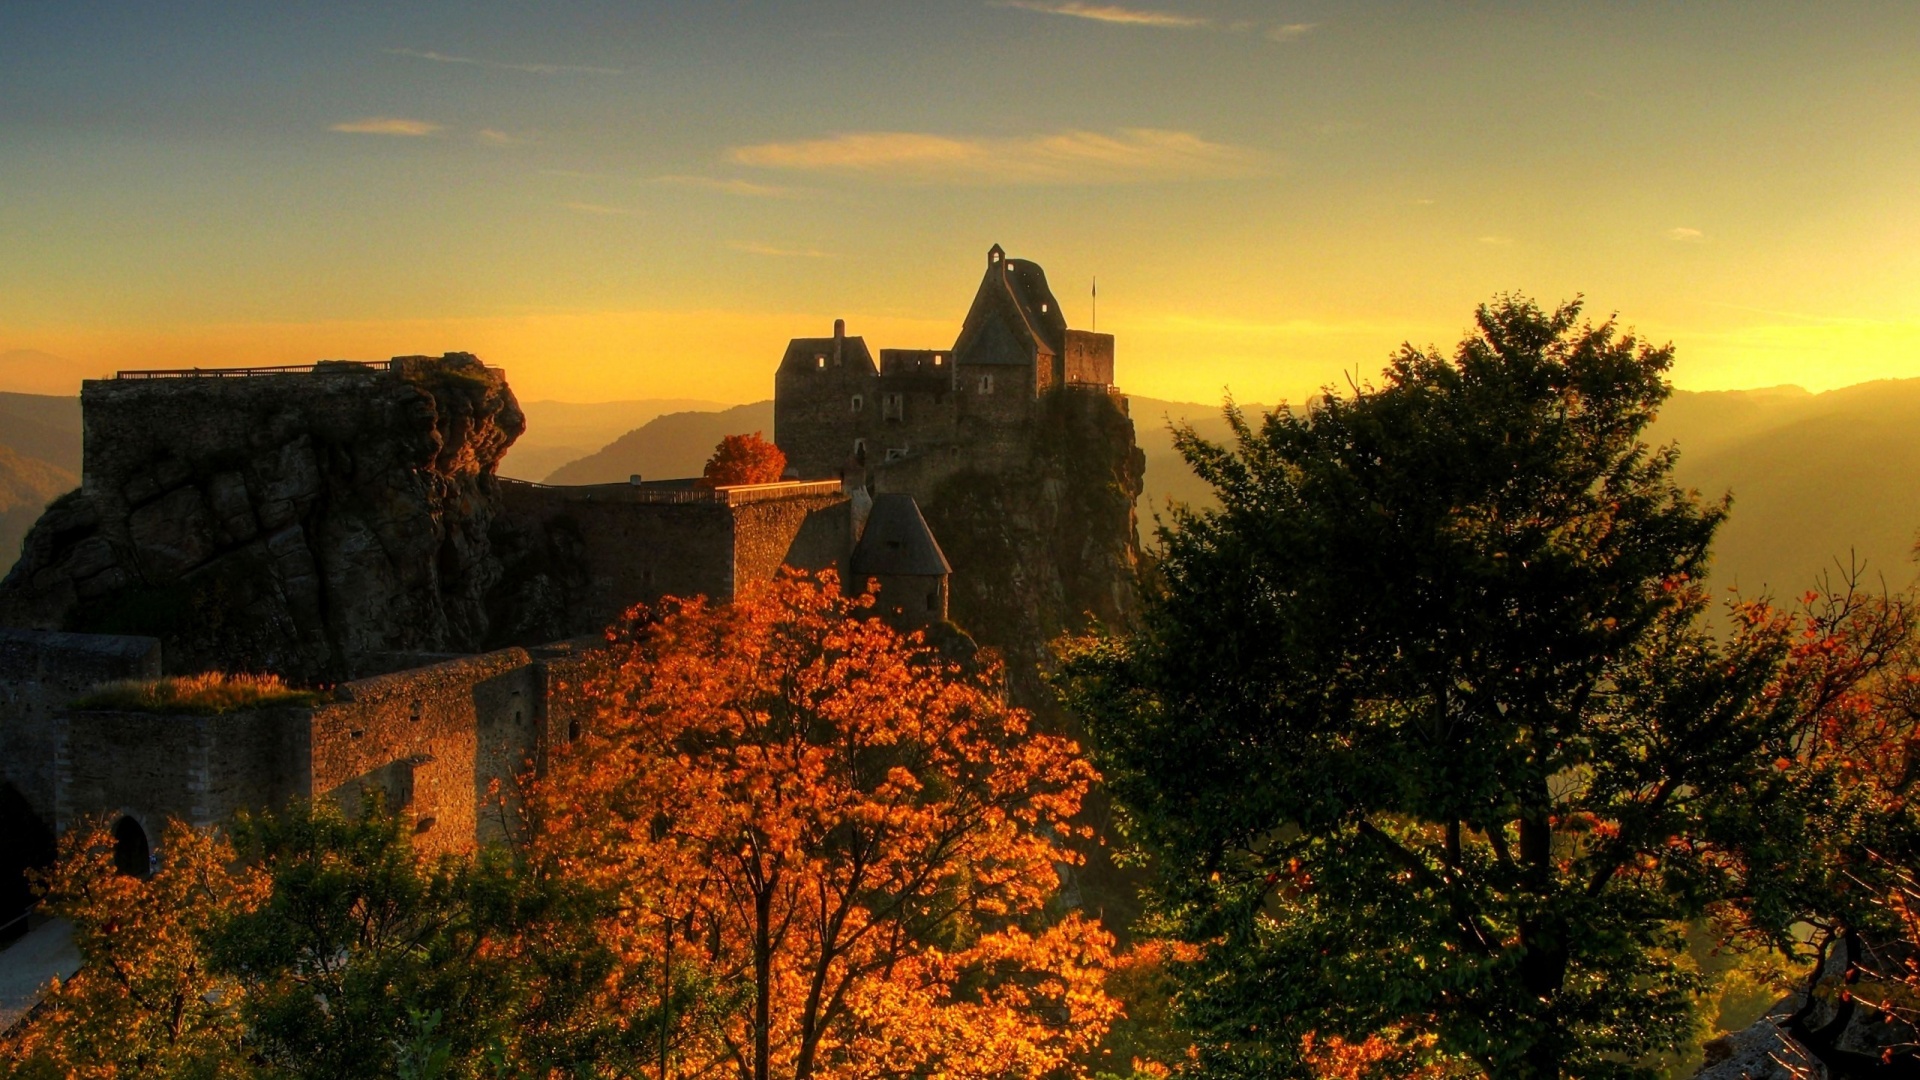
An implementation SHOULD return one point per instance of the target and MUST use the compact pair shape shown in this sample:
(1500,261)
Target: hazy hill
(27,485)
(42,426)
(562,431)
(1815,478)
(677,444)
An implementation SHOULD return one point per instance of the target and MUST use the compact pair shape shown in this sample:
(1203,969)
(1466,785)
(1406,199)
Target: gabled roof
(1014,294)
(897,541)
(853,353)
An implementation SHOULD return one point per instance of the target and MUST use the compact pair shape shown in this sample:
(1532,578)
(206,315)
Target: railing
(22,917)
(737,495)
(248,372)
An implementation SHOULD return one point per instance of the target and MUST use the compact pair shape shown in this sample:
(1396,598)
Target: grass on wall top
(208,694)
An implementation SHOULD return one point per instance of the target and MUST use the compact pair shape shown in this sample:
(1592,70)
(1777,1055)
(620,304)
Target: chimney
(839,338)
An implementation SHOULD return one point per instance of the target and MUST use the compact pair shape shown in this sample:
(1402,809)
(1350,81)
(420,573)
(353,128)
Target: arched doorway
(131,853)
(26,843)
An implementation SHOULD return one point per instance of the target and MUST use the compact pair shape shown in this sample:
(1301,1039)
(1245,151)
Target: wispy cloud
(1686,235)
(1068,157)
(754,247)
(1122,15)
(598,208)
(531,69)
(744,188)
(1108,13)
(496,137)
(385,125)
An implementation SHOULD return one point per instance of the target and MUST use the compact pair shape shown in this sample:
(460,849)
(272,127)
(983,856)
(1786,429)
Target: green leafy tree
(1426,734)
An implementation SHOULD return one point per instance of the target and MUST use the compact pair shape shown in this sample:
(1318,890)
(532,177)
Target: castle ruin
(343,524)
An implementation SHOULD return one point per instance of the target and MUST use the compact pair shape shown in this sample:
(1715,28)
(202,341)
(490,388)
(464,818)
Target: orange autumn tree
(147,1002)
(848,837)
(743,459)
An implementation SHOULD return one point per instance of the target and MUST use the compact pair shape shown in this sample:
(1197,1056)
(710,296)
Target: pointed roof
(897,541)
(1014,293)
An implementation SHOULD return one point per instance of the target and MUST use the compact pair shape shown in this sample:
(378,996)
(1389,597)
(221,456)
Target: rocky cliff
(300,522)
(1042,547)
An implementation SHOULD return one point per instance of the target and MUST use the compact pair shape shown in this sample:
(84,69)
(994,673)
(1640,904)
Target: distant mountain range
(1819,480)
(559,432)
(675,445)
(39,461)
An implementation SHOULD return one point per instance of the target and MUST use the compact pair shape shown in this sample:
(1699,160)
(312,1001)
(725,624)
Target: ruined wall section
(577,558)
(40,674)
(197,769)
(809,532)
(287,522)
(432,741)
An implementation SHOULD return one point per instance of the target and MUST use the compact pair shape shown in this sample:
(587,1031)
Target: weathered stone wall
(1088,360)
(811,532)
(290,522)
(432,741)
(41,673)
(599,550)
(814,421)
(198,769)
(443,744)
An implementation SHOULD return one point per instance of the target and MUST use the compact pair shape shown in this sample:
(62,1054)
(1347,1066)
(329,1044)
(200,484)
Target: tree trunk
(762,981)
(1543,961)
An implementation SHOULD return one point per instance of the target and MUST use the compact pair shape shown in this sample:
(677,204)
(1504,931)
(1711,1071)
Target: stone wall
(198,769)
(807,532)
(433,741)
(443,744)
(42,672)
(606,547)
(1088,360)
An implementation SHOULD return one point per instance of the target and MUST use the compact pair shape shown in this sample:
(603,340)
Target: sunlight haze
(642,200)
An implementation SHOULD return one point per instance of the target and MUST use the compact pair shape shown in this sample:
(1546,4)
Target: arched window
(858,402)
(131,854)
(986,384)
(860,451)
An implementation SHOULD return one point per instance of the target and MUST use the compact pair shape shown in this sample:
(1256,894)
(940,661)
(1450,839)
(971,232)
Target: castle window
(895,453)
(1043,309)
(986,384)
(860,451)
(858,402)
(893,407)
(819,361)
(936,361)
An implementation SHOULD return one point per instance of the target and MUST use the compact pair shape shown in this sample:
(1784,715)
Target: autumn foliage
(798,802)
(743,459)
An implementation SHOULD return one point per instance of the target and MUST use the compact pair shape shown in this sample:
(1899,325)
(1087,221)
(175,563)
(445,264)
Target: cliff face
(1039,548)
(300,523)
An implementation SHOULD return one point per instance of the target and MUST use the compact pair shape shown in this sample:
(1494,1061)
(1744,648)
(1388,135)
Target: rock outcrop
(1045,547)
(300,523)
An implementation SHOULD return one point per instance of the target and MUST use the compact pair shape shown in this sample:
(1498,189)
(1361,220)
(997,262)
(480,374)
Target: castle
(343,524)
(931,412)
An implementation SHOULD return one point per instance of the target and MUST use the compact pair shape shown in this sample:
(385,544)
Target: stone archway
(132,853)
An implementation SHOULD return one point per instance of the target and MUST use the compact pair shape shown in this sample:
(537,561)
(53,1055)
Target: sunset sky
(627,200)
